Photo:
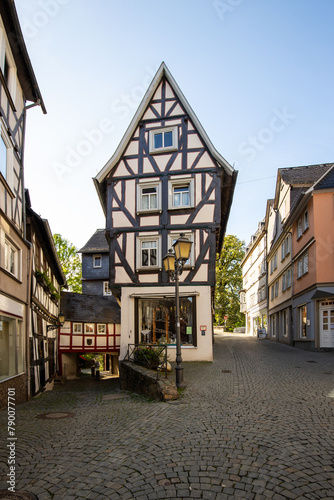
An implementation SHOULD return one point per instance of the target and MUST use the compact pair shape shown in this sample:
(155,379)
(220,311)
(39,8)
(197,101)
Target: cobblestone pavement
(256,423)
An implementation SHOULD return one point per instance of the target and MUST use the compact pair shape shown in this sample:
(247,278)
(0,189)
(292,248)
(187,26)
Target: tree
(229,283)
(70,262)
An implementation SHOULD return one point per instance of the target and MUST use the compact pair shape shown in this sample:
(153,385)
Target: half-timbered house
(47,278)
(165,178)
(17,86)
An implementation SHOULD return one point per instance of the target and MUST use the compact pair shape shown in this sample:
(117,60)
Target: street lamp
(173,264)
(61,321)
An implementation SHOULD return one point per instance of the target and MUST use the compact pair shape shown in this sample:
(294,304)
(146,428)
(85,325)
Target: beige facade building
(18,87)
(253,297)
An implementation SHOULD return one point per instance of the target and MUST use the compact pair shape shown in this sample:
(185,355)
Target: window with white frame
(181,193)
(148,197)
(77,328)
(12,347)
(148,252)
(286,246)
(106,288)
(97,261)
(101,329)
(273,263)
(286,280)
(305,221)
(12,258)
(163,139)
(89,328)
(302,265)
(174,236)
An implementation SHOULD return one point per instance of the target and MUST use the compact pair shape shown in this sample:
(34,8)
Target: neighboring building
(300,268)
(313,245)
(17,86)
(92,325)
(279,262)
(253,297)
(95,265)
(165,178)
(47,278)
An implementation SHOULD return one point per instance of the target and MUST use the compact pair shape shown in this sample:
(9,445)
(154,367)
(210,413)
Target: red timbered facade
(165,178)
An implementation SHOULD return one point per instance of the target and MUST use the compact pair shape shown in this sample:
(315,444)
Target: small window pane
(153,257)
(168,139)
(157,141)
(145,258)
(3,158)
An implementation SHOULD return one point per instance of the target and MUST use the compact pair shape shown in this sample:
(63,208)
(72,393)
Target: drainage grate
(55,415)
(226,371)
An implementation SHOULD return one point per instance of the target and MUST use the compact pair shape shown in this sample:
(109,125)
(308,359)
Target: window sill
(163,150)
(148,269)
(185,207)
(149,212)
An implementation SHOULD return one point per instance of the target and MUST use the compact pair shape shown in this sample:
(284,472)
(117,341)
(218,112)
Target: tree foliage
(70,262)
(229,283)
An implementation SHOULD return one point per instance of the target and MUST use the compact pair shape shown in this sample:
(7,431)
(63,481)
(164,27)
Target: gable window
(181,193)
(106,288)
(148,252)
(149,197)
(7,64)
(97,261)
(164,139)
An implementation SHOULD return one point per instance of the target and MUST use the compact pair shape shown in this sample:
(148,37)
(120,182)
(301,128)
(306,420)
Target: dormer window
(163,139)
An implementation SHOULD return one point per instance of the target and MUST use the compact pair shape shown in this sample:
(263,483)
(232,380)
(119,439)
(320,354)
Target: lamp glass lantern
(182,248)
(168,261)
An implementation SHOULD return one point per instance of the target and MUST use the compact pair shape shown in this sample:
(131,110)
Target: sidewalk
(256,423)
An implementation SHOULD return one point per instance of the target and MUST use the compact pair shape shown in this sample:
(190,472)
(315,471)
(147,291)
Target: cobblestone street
(256,423)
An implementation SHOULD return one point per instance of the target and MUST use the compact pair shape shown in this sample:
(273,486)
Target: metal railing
(152,356)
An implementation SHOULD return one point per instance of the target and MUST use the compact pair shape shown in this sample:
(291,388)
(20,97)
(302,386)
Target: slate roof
(97,243)
(327,181)
(306,175)
(89,308)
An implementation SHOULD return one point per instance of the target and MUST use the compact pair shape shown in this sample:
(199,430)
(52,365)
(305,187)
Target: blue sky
(257,73)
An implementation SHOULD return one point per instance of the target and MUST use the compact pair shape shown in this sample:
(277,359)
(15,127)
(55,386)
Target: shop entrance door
(327,325)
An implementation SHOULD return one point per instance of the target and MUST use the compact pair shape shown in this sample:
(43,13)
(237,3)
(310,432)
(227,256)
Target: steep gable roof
(25,70)
(163,72)
(96,243)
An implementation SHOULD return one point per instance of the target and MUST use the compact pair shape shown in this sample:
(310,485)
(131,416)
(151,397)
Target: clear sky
(257,73)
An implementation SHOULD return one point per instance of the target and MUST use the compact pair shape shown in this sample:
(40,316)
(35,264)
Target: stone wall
(138,379)
(18,383)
